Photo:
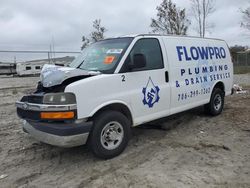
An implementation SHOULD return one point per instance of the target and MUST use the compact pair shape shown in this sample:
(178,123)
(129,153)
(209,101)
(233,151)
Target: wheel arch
(219,85)
(119,106)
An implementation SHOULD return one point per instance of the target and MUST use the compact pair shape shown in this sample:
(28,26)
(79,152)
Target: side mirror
(139,61)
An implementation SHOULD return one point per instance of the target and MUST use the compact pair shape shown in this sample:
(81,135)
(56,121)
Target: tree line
(173,20)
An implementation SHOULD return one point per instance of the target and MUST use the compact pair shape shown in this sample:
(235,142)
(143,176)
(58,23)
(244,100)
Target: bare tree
(246,18)
(201,10)
(85,42)
(170,19)
(96,35)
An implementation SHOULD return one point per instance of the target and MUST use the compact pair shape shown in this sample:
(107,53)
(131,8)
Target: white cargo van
(119,83)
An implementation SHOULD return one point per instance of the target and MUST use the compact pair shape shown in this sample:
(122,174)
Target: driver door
(147,87)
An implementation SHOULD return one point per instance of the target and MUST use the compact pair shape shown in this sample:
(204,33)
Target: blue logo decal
(151,94)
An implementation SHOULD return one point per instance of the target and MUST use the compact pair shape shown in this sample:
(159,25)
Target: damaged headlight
(59,98)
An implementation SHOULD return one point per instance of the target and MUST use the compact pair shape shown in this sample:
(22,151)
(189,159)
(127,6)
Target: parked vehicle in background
(23,69)
(7,68)
(34,67)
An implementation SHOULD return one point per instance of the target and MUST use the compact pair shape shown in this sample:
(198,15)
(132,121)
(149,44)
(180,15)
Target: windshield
(102,56)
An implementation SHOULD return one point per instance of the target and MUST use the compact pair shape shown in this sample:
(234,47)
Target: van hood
(52,75)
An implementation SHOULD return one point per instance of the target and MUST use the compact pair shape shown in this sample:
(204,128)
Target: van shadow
(173,121)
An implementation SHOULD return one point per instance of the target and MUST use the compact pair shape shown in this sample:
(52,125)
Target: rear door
(147,87)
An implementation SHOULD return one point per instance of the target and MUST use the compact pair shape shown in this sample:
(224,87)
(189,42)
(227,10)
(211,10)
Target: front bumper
(57,134)
(54,132)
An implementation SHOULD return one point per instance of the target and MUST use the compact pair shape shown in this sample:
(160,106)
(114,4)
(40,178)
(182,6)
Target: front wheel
(216,104)
(110,134)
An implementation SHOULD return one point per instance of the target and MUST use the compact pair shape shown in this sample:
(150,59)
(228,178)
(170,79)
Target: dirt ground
(190,149)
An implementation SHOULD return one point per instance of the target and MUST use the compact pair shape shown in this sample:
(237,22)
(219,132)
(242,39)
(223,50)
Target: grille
(38,99)
(28,114)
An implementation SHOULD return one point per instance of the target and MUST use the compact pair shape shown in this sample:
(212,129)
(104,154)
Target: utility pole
(49,57)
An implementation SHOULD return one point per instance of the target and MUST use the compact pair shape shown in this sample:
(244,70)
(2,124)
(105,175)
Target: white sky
(31,24)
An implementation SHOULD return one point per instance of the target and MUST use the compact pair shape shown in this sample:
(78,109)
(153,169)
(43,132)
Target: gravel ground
(186,150)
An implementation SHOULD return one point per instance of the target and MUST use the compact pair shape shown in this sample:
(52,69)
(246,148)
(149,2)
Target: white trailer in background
(28,68)
(34,67)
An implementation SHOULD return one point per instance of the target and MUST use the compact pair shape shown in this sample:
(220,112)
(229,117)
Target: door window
(151,49)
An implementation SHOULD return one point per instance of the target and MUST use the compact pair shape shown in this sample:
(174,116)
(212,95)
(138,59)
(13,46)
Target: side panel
(195,66)
(98,91)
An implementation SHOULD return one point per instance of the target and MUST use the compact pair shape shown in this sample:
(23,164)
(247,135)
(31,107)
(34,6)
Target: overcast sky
(31,24)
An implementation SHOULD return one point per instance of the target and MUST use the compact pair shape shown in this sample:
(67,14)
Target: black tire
(100,134)
(216,104)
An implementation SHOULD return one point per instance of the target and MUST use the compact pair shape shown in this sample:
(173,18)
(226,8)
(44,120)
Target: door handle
(166,77)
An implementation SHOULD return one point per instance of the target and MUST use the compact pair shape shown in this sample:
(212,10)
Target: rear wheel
(216,104)
(110,134)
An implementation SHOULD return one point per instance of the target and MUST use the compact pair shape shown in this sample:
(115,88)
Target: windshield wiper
(80,64)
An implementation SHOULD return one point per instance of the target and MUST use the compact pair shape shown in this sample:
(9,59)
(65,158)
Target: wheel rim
(217,102)
(112,135)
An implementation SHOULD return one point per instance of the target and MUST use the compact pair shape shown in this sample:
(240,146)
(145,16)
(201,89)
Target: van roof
(177,36)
